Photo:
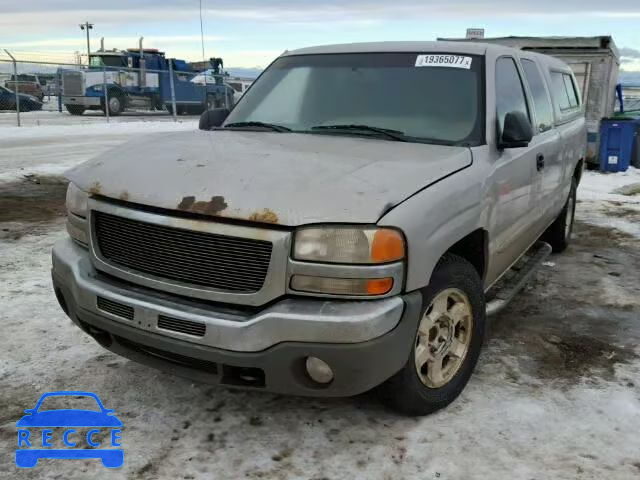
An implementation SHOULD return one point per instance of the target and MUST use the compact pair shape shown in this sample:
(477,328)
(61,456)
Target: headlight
(76,201)
(348,245)
(76,214)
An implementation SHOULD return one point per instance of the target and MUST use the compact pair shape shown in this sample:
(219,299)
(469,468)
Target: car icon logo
(83,433)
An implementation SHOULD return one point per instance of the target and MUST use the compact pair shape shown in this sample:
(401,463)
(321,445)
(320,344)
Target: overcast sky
(248,33)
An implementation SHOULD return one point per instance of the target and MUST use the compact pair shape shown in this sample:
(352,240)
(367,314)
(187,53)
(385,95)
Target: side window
(571,90)
(564,91)
(541,103)
(509,92)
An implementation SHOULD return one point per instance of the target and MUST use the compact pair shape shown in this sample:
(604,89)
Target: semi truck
(119,80)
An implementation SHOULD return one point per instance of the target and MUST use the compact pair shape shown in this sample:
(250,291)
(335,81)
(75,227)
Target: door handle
(539,161)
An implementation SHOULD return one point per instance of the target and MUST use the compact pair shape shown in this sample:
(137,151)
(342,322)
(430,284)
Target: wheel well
(473,248)
(577,173)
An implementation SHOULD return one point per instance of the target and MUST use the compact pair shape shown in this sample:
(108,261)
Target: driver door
(514,189)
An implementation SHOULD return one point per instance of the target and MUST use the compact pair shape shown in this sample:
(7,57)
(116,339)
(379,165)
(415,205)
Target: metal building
(595,62)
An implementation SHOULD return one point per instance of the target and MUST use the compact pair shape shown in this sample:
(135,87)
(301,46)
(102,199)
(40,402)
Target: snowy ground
(612,201)
(50,150)
(556,393)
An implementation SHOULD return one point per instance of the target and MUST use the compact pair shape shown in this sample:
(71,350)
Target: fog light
(319,370)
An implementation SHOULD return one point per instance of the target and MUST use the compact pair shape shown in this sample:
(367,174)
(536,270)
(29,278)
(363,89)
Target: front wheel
(447,342)
(558,235)
(116,104)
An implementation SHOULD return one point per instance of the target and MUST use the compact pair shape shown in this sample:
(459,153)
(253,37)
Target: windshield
(107,61)
(436,102)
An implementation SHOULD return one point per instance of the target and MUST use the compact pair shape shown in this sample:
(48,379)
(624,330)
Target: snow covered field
(556,394)
(53,149)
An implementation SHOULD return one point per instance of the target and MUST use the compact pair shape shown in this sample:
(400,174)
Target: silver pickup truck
(348,225)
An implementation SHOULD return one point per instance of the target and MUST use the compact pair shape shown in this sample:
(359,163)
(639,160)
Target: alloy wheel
(444,337)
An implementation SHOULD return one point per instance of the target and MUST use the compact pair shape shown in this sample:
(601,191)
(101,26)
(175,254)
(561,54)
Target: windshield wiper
(269,126)
(386,132)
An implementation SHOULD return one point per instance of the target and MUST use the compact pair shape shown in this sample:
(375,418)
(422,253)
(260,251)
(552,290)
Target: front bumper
(364,342)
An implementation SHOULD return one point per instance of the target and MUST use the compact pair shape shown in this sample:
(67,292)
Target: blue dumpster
(617,140)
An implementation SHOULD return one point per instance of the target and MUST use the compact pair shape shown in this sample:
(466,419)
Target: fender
(435,219)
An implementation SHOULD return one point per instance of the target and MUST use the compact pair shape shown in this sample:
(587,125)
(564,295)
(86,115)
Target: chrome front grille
(181,256)
(72,84)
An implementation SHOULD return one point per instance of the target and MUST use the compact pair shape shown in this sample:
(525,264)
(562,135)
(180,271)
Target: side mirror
(517,131)
(213,118)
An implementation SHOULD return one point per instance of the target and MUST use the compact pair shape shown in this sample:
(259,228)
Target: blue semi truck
(141,79)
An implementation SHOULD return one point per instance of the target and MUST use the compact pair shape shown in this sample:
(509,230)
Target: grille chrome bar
(197,329)
(115,308)
(72,84)
(269,248)
(191,257)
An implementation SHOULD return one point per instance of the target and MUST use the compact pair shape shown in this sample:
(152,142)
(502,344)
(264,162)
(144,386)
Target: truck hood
(281,178)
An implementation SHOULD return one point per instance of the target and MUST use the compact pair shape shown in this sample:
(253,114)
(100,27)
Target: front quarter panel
(436,218)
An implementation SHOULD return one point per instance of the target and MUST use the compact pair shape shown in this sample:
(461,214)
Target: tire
(558,235)
(156,103)
(75,109)
(116,104)
(410,391)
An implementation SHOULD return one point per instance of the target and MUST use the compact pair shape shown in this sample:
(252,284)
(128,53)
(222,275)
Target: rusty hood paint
(278,178)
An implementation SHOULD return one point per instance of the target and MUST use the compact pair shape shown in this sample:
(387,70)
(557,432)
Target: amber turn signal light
(387,246)
(379,286)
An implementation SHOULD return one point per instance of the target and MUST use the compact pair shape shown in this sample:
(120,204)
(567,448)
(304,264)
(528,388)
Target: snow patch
(52,150)
(602,200)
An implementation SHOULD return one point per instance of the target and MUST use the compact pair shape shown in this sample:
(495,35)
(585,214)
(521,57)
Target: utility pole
(202,33)
(87,26)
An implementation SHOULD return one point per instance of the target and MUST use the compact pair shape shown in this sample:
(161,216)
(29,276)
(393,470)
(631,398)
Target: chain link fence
(34,92)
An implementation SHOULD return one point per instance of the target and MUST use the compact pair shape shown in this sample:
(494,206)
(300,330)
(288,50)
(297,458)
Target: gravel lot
(556,393)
